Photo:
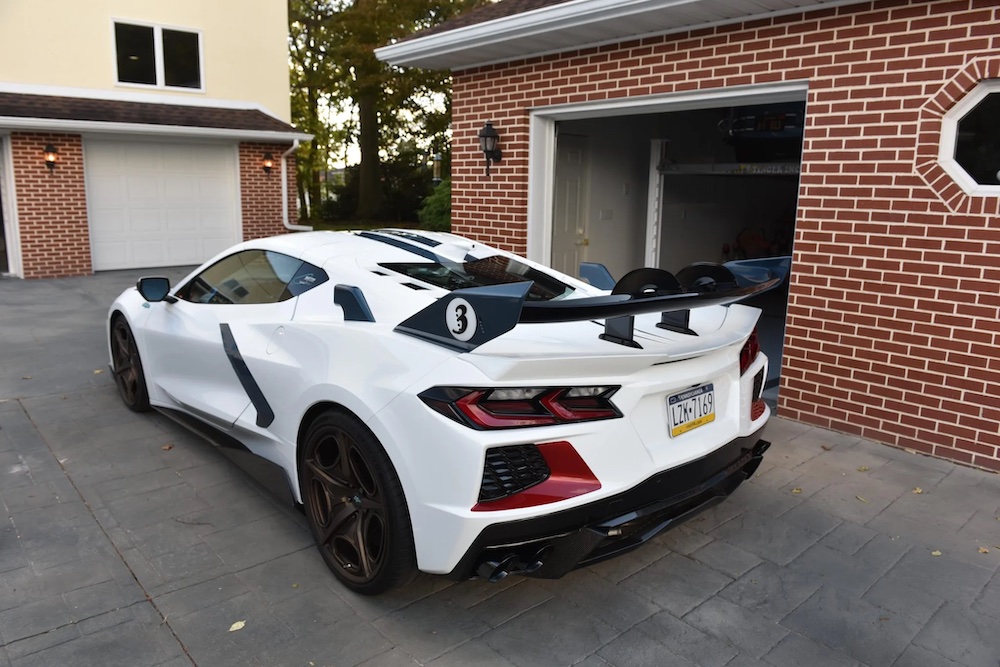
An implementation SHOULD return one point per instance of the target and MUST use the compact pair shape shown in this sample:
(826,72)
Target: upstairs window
(155,56)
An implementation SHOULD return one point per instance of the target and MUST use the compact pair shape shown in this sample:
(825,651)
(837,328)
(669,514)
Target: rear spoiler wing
(465,319)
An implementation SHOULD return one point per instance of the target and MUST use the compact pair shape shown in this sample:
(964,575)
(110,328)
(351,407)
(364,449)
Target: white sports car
(437,404)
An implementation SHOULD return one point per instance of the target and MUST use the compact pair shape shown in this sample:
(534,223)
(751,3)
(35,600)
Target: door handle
(583,242)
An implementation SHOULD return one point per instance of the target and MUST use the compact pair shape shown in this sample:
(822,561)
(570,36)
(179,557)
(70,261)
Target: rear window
(495,270)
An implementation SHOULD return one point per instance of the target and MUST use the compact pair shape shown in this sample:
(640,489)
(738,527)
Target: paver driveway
(126,541)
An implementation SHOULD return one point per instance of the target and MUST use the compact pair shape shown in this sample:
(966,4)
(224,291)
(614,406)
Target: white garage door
(159,204)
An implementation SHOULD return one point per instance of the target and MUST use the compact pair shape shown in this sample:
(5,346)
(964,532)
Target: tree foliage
(333,63)
(435,214)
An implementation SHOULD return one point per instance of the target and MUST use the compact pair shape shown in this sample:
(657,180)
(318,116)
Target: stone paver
(125,540)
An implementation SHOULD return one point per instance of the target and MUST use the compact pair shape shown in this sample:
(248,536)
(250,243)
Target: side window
(969,145)
(251,277)
(977,149)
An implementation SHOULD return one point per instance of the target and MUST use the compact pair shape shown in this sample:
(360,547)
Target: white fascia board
(15,123)
(129,96)
(471,39)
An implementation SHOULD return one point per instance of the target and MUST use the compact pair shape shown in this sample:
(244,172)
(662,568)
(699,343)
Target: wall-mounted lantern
(51,156)
(267,163)
(489,139)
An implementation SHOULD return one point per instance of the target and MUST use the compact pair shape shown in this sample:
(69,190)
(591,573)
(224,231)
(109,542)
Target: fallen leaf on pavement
(861,499)
(935,553)
(863,468)
(917,489)
(983,550)
(796,490)
(98,371)
(25,377)
(826,448)
(295,585)
(238,625)
(167,448)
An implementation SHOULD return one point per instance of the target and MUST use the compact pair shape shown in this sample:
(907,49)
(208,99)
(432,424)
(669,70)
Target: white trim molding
(581,24)
(17,123)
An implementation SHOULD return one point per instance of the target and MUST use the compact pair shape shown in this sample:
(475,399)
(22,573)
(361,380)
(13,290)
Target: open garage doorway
(670,188)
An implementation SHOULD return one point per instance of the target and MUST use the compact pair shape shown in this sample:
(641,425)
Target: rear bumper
(550,546)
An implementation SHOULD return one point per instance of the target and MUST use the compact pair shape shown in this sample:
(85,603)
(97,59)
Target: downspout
(284,192)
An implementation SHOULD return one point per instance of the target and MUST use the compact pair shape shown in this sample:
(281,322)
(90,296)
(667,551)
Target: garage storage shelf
(733,169)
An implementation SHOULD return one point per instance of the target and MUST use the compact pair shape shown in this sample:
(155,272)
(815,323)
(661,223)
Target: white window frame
(949,139)
(158,56)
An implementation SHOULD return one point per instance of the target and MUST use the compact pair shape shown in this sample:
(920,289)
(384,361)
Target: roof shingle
(20,105)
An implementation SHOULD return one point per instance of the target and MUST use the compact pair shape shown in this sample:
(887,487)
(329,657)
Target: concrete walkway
(126,541)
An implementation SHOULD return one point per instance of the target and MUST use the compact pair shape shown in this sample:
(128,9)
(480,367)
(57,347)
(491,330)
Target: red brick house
(860,137)
(153,136)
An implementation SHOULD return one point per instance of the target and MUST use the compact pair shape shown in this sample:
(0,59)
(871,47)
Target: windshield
(495,270)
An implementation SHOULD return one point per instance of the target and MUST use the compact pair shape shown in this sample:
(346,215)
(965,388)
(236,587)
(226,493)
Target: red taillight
(520,407)
(749,352)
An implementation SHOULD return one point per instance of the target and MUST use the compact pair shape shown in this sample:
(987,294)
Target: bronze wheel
(127,366)
(355,505)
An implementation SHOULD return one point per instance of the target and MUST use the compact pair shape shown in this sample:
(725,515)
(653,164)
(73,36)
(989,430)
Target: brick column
(51,206)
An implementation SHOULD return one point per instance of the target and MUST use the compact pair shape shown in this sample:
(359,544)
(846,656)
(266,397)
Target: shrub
(435,214)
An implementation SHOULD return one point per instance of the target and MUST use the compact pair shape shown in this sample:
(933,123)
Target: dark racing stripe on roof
(265,415)
(401,244)
(410,236)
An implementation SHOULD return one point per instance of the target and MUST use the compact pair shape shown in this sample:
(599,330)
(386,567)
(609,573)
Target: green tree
(435,214)
(392,103)
(341,92)
(312,75)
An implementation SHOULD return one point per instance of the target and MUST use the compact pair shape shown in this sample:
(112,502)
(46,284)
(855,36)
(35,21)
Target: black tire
(355,505)
(127,366)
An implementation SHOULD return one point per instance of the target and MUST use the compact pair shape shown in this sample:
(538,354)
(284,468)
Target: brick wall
(893,329)
(261,193)
(51,206)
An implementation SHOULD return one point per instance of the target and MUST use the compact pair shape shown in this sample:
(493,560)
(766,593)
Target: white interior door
(570,234)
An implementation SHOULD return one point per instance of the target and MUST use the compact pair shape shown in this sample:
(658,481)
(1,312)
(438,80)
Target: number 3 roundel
(461,319)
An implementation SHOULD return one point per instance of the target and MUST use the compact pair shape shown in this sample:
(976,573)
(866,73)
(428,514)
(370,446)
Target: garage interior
(712,184)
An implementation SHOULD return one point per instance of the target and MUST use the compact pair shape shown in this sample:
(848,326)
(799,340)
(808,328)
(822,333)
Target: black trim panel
(267,473)
(265,415)
(410,236)
(352,300)
(401,244)
(551,545)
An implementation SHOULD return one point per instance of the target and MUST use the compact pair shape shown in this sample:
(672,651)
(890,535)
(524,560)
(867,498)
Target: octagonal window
(970,140)
(977,145)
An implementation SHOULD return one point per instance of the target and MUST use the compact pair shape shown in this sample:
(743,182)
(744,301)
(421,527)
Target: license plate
(690,409)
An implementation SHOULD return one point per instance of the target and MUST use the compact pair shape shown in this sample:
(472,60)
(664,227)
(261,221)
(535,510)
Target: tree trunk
(369,179)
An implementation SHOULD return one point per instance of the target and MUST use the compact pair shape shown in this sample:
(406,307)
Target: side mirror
(155,288)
